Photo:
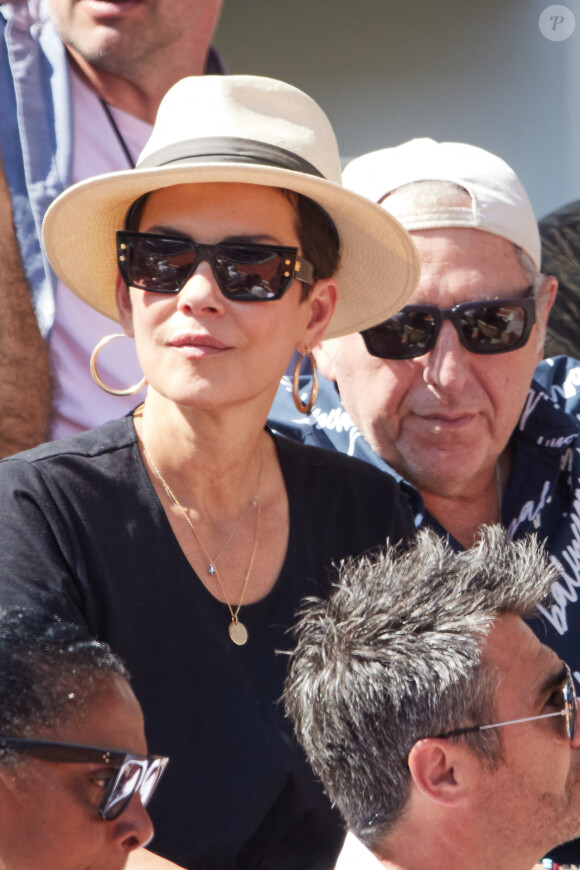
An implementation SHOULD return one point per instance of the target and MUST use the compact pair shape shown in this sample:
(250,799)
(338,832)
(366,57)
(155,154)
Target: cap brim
(379,264)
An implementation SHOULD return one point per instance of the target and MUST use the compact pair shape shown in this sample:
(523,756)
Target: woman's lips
(198,346)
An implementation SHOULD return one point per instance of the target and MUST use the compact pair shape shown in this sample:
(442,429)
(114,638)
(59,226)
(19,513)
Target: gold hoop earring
(305,407)
(129,391)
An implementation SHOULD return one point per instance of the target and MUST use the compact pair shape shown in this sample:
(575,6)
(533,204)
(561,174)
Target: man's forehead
(467,241)
(518,656)
(460,258)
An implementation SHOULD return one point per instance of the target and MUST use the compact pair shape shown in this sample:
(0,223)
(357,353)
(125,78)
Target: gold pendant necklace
(237,630)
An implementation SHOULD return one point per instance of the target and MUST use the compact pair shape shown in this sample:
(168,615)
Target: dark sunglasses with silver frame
(567,701)
(243,272)
(485,326)
(132,773)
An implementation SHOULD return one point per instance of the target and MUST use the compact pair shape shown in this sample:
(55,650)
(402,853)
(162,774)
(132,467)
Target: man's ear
(124,307)
(441,770)
(324,356)
(546,298)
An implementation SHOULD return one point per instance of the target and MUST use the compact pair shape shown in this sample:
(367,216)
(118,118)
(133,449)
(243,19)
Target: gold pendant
(238,633)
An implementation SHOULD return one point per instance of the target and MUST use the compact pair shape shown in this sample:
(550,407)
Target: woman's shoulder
(326,461)
(73,463)
(346,490)
(106,439)
(339,506)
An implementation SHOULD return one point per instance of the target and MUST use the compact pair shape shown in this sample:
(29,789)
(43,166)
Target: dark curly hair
(48,671)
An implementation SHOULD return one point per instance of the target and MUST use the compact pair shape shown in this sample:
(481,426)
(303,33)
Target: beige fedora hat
(244,129)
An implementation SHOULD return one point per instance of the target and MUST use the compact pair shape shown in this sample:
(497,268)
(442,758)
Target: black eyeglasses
(569,710)
(244,273)
(486,326)
(132,773)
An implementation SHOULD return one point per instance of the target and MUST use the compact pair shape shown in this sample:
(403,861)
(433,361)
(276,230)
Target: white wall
(386,71)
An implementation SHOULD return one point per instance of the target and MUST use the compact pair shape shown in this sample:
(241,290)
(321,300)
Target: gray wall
(387,71)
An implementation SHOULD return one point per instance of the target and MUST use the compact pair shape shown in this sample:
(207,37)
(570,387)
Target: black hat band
(231,150)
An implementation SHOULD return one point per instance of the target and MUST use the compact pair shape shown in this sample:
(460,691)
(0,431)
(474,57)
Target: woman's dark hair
(317,235)
(48,671)
(315,229)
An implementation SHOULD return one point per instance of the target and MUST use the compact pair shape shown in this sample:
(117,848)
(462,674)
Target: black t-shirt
(83,534)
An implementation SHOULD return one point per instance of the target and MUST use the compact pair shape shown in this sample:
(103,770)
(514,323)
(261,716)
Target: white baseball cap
(499,203)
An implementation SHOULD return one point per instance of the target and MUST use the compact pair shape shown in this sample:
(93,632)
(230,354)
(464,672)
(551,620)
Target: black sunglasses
(133,773)
(486,326)
(244,273)
(568,704)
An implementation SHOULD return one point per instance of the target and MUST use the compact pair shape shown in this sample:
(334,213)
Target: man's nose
(447,364)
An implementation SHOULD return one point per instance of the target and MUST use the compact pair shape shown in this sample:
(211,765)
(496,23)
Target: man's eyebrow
(551,681)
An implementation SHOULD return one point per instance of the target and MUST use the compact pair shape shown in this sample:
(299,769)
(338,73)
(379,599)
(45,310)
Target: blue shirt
(542,494)
(36,134)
